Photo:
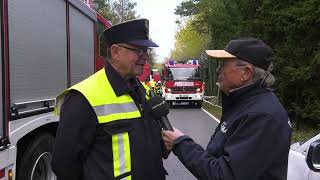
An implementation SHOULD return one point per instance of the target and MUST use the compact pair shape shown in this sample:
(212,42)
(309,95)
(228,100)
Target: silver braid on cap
(267,79)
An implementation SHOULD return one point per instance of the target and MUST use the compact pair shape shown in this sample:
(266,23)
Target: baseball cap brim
(219,54)
(143,43)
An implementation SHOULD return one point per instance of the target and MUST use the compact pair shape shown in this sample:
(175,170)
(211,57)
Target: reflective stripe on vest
(121,154)
(112,112)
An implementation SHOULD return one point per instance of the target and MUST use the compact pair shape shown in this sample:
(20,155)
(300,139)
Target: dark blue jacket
(251,142)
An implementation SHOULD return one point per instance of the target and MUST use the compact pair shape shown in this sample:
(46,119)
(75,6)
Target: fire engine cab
(182,83)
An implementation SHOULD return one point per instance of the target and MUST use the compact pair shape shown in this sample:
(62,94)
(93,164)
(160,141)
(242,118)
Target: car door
(313,160)
(314,175)
(297,165)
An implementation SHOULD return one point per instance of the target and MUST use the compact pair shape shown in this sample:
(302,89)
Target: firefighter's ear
(115,51)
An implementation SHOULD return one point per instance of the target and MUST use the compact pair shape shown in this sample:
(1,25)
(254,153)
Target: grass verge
(214,110)
(305,132)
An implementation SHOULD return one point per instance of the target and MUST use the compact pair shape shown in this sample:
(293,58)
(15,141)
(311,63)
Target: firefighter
(152,85)
(106,130)
(158,88)
(147,82)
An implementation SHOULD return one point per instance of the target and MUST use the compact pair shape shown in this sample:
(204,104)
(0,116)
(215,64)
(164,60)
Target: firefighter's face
(130,60)
(232,74)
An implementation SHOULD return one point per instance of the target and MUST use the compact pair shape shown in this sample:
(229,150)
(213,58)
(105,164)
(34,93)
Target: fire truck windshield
(183,73)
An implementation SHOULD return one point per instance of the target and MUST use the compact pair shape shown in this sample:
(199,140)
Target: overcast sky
(162,25)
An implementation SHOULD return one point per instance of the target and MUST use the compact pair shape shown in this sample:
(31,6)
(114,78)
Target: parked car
(304,160)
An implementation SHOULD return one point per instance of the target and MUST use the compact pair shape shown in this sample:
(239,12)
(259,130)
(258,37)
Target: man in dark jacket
(253,138)
(106,130)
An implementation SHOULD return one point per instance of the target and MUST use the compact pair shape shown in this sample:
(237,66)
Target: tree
(116,10)
(152,57)
(220,18)
(189,43)
(290,27)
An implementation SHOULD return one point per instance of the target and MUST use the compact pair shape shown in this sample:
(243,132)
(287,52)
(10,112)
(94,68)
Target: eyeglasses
(224,63)
(237,64)
(139,52)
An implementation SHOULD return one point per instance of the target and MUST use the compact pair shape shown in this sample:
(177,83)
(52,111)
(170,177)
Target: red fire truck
(182,83)
(145,76)
(46,47)
(149,74)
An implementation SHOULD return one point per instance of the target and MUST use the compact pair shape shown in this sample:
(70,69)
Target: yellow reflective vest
(109,108)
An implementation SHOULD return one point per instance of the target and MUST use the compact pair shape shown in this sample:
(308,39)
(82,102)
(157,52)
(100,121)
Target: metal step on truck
(46,47)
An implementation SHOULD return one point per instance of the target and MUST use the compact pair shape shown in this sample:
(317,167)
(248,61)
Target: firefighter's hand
(169,137)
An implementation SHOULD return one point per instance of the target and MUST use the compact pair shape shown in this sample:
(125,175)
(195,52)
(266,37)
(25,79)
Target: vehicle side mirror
(313,157)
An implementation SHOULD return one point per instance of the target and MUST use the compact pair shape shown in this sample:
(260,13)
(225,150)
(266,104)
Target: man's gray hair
(267,79)
(265,75)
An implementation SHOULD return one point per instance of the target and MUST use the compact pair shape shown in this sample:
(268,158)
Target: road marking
(216,119)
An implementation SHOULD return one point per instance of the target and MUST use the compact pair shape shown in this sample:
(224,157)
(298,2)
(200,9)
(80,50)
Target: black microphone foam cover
(159,107)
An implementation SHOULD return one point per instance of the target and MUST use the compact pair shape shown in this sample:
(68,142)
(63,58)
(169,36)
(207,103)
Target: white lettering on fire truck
(183,83)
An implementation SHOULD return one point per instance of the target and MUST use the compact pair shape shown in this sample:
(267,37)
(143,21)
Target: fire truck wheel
(199,104)
(35,163)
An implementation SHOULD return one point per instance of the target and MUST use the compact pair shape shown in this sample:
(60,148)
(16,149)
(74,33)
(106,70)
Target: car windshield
(183,73)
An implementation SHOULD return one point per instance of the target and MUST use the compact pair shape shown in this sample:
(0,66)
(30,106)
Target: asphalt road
(195,123)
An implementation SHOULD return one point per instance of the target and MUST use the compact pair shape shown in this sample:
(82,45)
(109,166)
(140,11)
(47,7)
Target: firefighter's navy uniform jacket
(91,147)
(250,143)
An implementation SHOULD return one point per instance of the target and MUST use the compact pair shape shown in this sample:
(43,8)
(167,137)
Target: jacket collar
(240,94)
(119,85)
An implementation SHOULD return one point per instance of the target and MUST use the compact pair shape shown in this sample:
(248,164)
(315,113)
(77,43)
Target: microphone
(160,110)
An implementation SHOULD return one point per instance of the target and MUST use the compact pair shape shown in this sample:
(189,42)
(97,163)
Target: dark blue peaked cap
(134,32)
(252,50)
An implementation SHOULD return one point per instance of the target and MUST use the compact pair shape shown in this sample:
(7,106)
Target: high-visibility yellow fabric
(108,108)
(121,154)
(152,84)
(146,87)
(99,92)
(116,158)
